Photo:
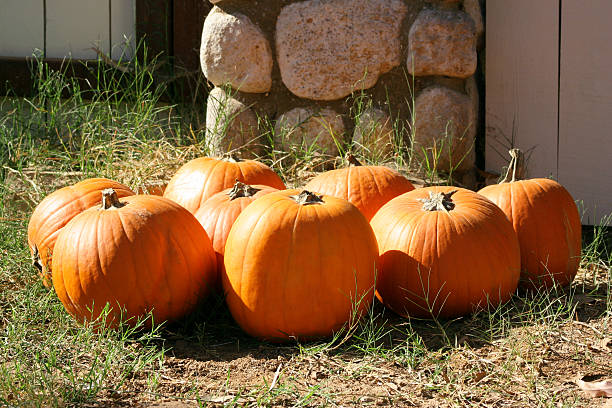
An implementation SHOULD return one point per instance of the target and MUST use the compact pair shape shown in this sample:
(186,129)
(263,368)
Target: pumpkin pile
(303,263)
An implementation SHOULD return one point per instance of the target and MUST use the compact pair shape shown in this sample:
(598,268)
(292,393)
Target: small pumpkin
(200,178)
(56,210)
(546,220)
(298,265)
(444,252)
(140,254)
(219,212)
(366,187)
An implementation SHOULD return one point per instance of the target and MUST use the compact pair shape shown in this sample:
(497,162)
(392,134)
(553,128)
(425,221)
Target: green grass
(523,353)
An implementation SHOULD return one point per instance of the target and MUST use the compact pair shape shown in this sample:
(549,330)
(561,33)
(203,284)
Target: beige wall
(68,28)
(551,96)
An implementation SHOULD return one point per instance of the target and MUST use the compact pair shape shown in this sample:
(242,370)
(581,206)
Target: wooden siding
(21,33)
(549,92)
(585,105)
(66,28)
(522,50)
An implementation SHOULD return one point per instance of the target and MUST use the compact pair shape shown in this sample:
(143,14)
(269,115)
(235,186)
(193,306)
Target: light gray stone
(374,135)
(442,42)
(235,51)
(231,126)
(309,130)
(326,49)
(444,129)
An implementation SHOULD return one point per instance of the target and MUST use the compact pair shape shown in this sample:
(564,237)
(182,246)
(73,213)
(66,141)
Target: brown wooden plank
(585,106)
(18,75)
(189,18)
(154,26)
(189,15)
(522,57)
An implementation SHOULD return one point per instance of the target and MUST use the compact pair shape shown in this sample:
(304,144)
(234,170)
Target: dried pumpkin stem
(307,198)
(516,168)
(242,190)
(352,160)
(438,201)
(232,157)
(36,261)
(110,199)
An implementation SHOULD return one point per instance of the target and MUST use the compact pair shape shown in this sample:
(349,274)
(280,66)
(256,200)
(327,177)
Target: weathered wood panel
(123,29)
(522,43)
(154,26)
(585,114)
(21,33)
(75,27)
(189,18)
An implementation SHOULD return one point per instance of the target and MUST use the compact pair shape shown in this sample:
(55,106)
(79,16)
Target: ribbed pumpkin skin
(297,271)
(200,178)
(444,264)
(57,209)
(366,187)
(218,214)
(546,220)
(150,254)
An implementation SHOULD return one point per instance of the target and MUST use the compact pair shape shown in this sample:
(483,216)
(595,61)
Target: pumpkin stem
(307,198)
(438,201)
(352,160)
(232,157)
(516,168)
(242,190)
(110,199)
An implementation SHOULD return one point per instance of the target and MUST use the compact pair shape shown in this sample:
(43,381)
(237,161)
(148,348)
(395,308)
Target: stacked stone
(305,65)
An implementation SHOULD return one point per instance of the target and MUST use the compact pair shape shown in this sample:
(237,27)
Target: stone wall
(324,73)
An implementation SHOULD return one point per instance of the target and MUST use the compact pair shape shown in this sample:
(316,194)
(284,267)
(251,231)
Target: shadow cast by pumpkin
(587,299)
(210,333)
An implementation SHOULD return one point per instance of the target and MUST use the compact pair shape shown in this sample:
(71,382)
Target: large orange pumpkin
(444,252)
(56,210)
(366,187)
(141,254)
(218,213)
(200,178)
(299,266)
(546,220)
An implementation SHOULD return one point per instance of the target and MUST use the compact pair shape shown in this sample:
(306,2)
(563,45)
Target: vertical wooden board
(189,18)
(154,27)
(521,75)
(74,27)
(123,29)
(585,122)
(21,27)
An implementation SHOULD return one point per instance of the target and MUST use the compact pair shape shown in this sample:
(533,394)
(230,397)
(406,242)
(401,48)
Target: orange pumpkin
(200,178)
(299,266)
(138,255)
(56,210)
(546,220)
(366,187)
(444,252)
(218,213)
